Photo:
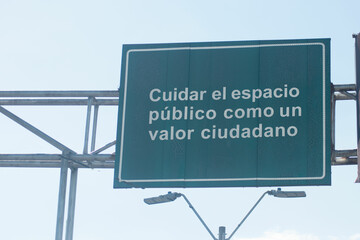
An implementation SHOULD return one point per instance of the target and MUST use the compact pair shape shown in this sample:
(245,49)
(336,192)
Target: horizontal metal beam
(58,102)
(54,94)
(345,96)
(341,93)
(344,87)
(345,157)
(16,94)
(346,153)
(54,160)
(76,157)
(345,92)
(344,161)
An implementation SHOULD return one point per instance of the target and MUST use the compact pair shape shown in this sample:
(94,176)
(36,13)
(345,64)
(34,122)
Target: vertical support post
(61,201)
(333,105)
(87,126)
(357,64)
(71,208)
(222,233)
(74,171)
(93,135)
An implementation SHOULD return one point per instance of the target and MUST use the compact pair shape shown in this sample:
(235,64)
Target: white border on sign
(223,179)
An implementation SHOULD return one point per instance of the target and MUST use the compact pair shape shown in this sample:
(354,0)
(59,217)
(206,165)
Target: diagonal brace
(36,131)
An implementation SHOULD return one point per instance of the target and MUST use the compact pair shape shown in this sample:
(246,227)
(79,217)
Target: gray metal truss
(94,158)
(346,156)
(68,159)
(90,99)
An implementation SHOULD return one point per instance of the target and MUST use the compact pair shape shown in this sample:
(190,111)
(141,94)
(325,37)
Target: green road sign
(221,114)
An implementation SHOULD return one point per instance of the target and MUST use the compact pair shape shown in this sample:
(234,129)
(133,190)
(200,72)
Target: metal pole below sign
(61,201)
(357,65)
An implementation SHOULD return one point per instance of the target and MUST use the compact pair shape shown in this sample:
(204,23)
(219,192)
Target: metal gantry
(68,158)
(89,99)
(95,158)
(339,93)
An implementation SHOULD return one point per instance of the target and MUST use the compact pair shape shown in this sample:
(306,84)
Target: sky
(77,45)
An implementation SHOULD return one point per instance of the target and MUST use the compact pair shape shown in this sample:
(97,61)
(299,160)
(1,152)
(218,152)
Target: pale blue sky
(76,45)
